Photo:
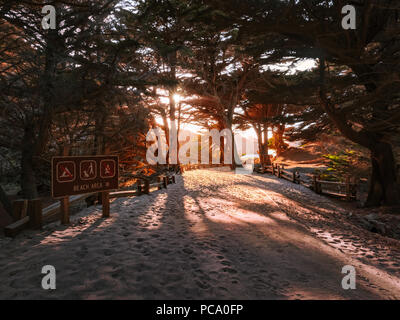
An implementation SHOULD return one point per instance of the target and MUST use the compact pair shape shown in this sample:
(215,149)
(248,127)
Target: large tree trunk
(222,150)
(260,146)
(28,179)
(232,147)
(173,136)
(262,136)
(267,160)
(99,141)
(173,155)
(384,187)
(167,136)
(235,155)
(5,201)
(278,138)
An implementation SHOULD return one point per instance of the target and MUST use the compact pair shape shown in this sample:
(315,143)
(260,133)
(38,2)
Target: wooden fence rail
(29,213)
(189,167)
(317,184)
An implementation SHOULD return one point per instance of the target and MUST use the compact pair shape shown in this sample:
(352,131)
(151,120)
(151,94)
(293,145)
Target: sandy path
(213,235)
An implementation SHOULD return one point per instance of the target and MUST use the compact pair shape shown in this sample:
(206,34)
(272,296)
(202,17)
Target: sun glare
(177,98)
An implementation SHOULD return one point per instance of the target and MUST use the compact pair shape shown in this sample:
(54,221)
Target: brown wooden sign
(80,175)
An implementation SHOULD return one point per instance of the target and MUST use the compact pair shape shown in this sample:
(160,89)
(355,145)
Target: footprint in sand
(229,270)
(223,289)
(272,276)
(108,252)
(202,285)
(188,251)
(164,251)
(81,254)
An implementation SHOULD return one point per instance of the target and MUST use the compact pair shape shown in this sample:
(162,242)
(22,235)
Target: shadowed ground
(213,235)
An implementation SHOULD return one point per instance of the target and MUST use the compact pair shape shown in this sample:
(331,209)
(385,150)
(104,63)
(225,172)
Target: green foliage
(273,144)
(340,165)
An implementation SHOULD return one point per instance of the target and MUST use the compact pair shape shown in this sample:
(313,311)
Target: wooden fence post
(173,179)
(64,207)
(165,182)
(319,185)
(298,177)
(314,184)
(159,180)
(354,185)
(20,209)
(106,204)
(273,169)
(279,172)
(146,186)
(35,214)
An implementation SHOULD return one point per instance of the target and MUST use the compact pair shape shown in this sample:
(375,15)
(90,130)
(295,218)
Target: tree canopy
(111,69)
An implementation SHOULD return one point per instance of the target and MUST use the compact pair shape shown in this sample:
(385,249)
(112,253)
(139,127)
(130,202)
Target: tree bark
(262,137)
(28,179)
(167,136)
(260,146)
(99,141)
(278,138)
(5,201)
(384,187)
(266,160)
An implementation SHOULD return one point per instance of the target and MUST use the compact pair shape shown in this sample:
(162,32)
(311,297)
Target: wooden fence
(189,167)
(345,190)
(29,214)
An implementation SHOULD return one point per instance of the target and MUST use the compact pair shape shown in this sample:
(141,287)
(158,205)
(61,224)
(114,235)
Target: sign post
(73,176)
(105,199)
(35,214)
(64,205)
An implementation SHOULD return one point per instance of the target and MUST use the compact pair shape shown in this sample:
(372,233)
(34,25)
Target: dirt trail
(213,235)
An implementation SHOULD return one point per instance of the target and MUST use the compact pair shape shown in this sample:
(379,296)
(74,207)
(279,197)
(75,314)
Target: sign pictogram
(66,172)
(88,170)
(107,169)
